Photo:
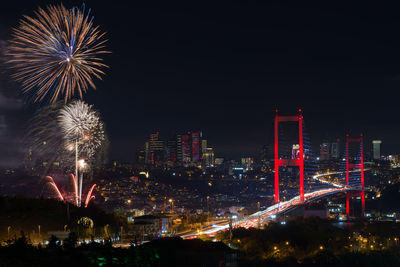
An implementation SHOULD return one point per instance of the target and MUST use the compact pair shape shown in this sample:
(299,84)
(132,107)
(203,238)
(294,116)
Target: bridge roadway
(271,212)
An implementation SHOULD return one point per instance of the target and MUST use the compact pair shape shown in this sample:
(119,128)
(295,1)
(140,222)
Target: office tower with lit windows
(147,154)
(203,144)
(172,149)
(335,151)
(186,148)
(196,146)
(208,157)
(179,148)
(156,147)
(189,147)
(376,149)
(324,151)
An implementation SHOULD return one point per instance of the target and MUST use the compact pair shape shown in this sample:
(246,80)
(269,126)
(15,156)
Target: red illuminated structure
(156,149)
(196,137)
(299,161)
(186,157)
(355,166)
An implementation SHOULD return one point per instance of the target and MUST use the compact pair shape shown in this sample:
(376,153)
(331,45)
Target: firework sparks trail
(57,53)
(75,183)
(55,187)
(74,199)
(89,196)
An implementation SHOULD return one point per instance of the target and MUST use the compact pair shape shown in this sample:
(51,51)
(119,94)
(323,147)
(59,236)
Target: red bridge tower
(355,166)
(299,161)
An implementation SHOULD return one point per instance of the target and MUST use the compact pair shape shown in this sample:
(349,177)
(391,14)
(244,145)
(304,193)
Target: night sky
(225,67)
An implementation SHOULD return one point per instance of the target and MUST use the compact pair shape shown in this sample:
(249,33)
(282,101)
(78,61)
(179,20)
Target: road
(273,211)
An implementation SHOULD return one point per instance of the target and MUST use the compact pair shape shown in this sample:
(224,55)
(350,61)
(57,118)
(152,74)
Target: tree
(54,242)
(71,241)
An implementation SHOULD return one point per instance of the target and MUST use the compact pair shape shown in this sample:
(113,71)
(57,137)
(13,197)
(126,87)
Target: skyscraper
(208,157)
(156,148)
(376,147)
(186,148)
(179,151)
(324,151)
(335,149)
(203,144)
(196,146)
(172,150)
(147,155)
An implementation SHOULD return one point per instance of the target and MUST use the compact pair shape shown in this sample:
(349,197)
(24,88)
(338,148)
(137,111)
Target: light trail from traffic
(271,212)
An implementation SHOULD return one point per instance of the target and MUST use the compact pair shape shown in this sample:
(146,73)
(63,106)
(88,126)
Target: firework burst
(81,122)
(57,54)
(48,142)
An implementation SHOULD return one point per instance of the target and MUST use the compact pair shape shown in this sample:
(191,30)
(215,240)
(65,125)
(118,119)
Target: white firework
(81,123)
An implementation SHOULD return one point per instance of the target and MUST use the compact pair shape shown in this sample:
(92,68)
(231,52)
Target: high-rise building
(376,147)
(335,152)
(324,151)
(196,146)
(203,144)
(208,157)
(189,147)
(172,149)
(179,151)
(179,148)
(156,148)
(186,148)
(147,155)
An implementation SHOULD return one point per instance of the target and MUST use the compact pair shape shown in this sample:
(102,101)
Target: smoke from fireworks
(80,122)
(45,139)
(57,53)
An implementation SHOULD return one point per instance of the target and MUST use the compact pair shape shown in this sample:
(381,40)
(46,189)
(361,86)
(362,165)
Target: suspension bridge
(311,183)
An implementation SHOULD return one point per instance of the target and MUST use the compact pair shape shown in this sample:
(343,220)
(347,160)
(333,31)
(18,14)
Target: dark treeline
(19,252)
(317,242)
(162,252)
(22,214)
